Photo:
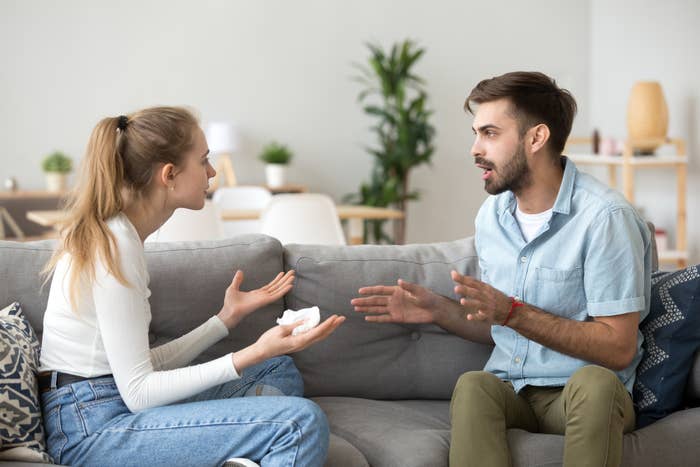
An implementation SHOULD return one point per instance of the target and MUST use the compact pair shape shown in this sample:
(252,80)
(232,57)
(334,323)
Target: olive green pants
(593,411)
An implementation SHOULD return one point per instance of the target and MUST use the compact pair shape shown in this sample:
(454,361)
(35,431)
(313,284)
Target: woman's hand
(239,304)
(280,341)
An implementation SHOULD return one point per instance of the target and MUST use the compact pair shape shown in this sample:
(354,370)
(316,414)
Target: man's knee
(592,383)
(475,383)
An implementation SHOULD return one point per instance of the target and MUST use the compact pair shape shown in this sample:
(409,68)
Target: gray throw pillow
(21,430)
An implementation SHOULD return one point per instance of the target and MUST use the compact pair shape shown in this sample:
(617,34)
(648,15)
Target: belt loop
(54,377)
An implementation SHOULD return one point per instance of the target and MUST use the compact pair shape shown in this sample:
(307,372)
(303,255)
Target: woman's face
(191,180)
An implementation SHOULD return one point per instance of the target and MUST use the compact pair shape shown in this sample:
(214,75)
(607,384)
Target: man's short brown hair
(535,98)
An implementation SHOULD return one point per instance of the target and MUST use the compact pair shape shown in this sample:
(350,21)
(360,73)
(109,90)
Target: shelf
(668,256)
(637,161)
(628,163)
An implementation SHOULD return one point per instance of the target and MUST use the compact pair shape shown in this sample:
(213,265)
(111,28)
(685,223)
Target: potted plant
(56,165)
(276,158)
(395,98)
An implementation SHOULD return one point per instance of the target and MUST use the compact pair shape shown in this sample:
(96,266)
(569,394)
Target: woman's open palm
(239,304)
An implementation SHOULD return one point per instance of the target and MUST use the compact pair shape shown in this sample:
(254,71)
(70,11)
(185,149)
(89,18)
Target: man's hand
(239,304)
(483,302)
(402,303)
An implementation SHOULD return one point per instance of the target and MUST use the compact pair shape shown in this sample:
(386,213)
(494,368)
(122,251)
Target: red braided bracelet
(513,305)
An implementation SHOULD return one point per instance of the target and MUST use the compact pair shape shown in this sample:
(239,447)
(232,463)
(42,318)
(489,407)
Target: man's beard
(514,176)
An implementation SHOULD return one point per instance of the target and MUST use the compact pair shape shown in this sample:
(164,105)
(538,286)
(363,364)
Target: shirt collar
(562,204)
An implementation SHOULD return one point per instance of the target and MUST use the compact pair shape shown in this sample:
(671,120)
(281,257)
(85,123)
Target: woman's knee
(281,373)
(311,421)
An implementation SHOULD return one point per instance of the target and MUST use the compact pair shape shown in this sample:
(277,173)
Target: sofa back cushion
(188,281)
(381,361)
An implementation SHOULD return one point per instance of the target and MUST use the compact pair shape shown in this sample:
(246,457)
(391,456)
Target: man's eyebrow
(488,126)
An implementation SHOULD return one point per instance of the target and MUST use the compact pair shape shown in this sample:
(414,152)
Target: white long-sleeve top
(108,333)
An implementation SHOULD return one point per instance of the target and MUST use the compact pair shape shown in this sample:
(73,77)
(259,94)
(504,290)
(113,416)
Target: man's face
(498,148)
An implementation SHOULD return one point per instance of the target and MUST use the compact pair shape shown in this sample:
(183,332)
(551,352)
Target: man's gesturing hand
(483,302)
(402,303)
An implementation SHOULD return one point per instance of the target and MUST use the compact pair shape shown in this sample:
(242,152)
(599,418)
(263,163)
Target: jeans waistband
(49,380)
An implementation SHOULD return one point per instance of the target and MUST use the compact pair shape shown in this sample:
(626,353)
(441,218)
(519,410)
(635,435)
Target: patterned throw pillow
(671,338)
(21,430)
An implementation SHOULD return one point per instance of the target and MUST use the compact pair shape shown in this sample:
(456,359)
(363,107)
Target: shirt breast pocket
(560,291)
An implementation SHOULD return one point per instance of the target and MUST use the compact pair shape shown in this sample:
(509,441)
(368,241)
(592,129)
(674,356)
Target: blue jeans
(87,423)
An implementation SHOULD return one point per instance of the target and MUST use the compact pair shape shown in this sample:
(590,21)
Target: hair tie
(123,121)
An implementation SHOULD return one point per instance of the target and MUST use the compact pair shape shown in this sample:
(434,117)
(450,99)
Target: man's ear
(537,137)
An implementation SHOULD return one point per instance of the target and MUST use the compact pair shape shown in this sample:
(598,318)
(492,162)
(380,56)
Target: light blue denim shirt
(593,258)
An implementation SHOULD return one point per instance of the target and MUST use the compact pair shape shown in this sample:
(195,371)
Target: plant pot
(55,181)
(276,175)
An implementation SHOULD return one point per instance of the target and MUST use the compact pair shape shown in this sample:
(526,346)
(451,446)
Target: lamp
(647,117)
(222,139)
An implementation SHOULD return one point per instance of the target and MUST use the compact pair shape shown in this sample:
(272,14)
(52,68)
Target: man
(565,280)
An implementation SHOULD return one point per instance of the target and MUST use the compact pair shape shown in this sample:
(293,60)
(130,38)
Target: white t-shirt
(531,224)
(108,333)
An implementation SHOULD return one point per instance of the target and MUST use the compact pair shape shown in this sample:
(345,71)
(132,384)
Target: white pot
(55,181)
(276,175)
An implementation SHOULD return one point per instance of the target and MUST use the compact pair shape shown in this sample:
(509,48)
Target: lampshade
(222,137)
(647,116)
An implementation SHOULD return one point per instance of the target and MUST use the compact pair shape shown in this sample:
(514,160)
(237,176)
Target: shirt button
(517,359)
(523,259)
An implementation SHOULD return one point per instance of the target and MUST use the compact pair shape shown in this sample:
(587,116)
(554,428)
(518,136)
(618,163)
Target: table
(356,215)
(14,206)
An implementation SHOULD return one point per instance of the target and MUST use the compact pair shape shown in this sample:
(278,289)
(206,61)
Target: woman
(109,399)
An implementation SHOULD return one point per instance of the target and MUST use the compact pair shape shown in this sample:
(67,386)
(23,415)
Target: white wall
(651,40)
(282,70)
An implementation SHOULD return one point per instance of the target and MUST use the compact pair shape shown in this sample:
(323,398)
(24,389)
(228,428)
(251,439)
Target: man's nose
(476,149)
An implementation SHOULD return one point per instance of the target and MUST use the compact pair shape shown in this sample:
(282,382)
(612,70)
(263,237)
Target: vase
(55,182)
(647,116)
(276,175)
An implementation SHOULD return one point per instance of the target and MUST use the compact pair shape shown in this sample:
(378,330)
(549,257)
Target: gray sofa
(385,387)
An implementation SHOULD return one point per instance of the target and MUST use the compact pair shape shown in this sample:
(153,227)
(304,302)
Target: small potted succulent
(57,166)
(276,158)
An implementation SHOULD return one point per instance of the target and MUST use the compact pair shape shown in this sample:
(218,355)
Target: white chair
(303,218)
(191,225)
(241,197)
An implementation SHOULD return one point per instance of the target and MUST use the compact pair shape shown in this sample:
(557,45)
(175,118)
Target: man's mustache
(483,162)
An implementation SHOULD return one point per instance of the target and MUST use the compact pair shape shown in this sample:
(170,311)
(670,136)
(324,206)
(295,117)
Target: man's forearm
(452,317)
(592,341)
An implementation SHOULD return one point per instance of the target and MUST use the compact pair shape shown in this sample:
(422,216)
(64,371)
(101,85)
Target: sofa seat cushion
(417,433)
(392,433)
(343,454)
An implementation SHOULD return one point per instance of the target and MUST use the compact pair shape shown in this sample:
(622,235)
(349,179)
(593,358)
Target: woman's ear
(166,176)
(538,137)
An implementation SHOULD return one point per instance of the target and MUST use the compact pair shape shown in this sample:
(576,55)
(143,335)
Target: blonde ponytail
(120,157)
